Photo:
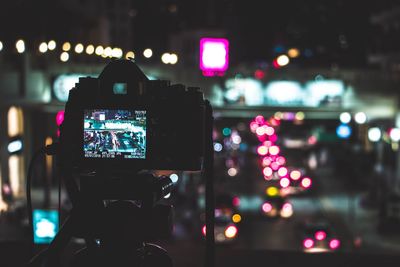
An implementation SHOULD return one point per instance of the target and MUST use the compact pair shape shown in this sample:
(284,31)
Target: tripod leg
(51,255)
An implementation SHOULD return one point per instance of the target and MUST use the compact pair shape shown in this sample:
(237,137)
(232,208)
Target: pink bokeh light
(214,54)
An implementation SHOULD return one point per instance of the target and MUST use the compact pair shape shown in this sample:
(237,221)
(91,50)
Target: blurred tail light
(231,231)
(334,244)
(308,243)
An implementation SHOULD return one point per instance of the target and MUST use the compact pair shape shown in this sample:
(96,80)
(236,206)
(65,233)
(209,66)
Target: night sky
(328,31)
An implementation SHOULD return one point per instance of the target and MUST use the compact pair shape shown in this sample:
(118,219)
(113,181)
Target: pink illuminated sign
(214,56)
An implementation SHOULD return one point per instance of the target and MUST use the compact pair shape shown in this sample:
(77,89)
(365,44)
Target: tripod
(117,233)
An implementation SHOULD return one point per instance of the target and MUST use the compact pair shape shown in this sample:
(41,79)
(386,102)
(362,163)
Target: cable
(49,150)
(28,192)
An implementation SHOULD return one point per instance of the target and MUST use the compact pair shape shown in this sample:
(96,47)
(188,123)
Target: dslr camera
(123,121)
(117,128)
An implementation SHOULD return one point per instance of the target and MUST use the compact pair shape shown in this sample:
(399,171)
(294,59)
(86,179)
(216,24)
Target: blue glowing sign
(45,226)
(343,131)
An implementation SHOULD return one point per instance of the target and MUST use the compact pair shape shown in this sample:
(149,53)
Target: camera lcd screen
(114,134)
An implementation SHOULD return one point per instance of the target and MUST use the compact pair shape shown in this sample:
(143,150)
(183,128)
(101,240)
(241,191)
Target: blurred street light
(360,117)
(374,134)
(1,46)
(148,53)
(173,59)
(20,45)
(64,56)
(117,52)
(293,52)
(345,117)
(66,46)
(90,49)
(107,52)
(52,45)
(282,60)
(99,50)
(130,54)
(79,48)
(395,134)
(165,58)
(43,47)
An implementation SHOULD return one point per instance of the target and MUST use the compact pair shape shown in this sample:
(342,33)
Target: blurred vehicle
(295,182)
(276,207)
(319,237)
(226,219)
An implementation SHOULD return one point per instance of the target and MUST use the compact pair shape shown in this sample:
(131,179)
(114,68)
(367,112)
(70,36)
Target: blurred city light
(395,134)
(282,171)
(282,60)
(226,131)
(343,131)
(345,117)
(274,150)
(334,244)
(283,92)
(360,117)
(64,56)
(45,226)
(14,146)
(14,169)
(79,48)
(165,58)
(20,45)
(15,122)
(148,53)
(293,52)
(218,147)
(275,166)
(214,54)
(300,116)
(130,54)
(236,218)
(262,150)
(295,175)
(266,207)
(231,231)
(117,52)
(374,134)
(167,195)
(287,210)
(267,171)
(173,59)
(107,52)
(308,243)
(1,46)
(232,171)
(66,46)
(90,49)
(284,182)
(174,177)
(99,50)
(51,45)
(281,160)
(306,182)
(43,47)
(320,235)
(272,191)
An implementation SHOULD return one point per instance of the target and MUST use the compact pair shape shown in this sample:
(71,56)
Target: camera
(117,129)
(124,121)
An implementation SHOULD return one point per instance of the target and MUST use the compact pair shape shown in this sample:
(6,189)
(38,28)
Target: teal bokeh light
(45,226)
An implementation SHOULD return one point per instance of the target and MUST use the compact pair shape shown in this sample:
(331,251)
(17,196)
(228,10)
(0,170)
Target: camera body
(123,121)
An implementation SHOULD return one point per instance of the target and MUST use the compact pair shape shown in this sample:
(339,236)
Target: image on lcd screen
(114,134)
